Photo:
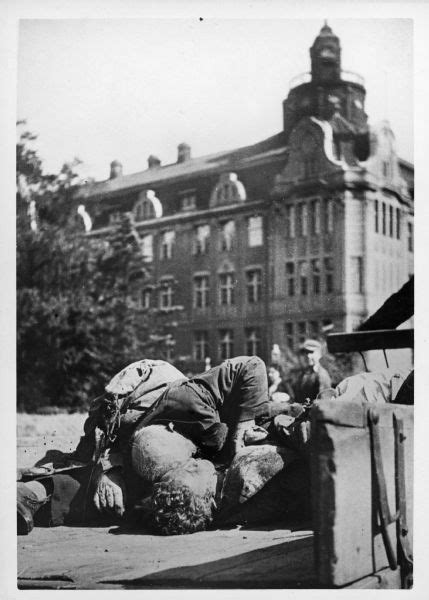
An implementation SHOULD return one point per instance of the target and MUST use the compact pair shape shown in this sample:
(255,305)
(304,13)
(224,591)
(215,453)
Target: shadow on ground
(285,565)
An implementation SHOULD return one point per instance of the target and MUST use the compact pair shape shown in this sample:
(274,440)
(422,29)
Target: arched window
(228,190)
(147,207)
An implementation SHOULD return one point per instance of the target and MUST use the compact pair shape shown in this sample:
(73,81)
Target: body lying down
(211,451)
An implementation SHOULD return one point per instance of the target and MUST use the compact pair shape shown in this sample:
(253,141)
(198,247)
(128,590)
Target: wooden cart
(362,475)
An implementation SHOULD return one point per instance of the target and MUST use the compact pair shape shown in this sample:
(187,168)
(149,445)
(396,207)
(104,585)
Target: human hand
(238,437)
(110,492)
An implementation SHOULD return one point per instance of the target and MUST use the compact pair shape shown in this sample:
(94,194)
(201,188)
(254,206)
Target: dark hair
(278,368)
(178,510)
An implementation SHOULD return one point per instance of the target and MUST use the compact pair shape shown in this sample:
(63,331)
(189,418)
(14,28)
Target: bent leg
(240,388)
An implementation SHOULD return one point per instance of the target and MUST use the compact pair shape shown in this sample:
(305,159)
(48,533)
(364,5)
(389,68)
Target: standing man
(312,377)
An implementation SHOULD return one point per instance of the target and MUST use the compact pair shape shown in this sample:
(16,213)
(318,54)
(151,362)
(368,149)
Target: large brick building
(269,243)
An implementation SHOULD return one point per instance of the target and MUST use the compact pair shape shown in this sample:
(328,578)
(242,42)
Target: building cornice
(190,216)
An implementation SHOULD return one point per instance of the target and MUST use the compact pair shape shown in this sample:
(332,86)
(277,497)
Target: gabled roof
(220,161)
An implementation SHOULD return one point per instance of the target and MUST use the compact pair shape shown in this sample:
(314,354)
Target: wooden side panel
(348,542)
(383,580)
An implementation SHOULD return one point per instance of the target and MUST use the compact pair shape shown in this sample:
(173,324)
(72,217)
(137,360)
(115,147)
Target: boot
(27,504)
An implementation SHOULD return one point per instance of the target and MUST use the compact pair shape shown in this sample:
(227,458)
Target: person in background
(312,378)
(279,387)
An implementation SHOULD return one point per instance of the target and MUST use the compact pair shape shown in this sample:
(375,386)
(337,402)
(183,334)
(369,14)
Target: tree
(79,315)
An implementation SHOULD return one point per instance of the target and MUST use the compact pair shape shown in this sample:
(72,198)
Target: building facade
(307,230)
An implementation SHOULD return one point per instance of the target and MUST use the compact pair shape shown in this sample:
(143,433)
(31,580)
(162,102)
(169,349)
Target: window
(290,278)
(227,236)
(315,271)
(314,329)
(166,294)
(289,335)
(201,291)
(254,286)
(302,332)
(376,216)
(255,231)
(228,190)
(315,217)
(144,210)
(146,298)
(329,215)
(290,221)
(188,201)
(303,216)
(386,168)
(356,274)
(147,247)
(329,275)
(226,289)
(167,241)
(383,218)
(303,280)
(226,344)
(148,206)
(391,215)
(201,345)
(115,217)
(410,237)
(398,224)
(253,342)
(201,239)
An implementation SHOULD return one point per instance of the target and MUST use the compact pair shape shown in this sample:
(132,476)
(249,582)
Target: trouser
(71,498)
(208,406)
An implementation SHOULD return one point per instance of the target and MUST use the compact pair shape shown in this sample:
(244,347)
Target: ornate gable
(383,159)
(311,153)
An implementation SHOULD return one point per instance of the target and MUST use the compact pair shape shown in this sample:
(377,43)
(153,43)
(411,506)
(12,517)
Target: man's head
(156,449)
(274,374)
(310,353)
(183,500)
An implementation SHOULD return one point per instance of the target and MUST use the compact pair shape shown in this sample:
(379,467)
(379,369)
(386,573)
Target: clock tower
(325,56)
(327,92)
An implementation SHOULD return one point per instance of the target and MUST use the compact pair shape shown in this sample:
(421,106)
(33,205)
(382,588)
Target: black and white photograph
(213,287)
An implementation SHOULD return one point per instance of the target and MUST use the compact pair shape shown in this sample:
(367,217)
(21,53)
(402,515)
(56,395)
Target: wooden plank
(386,579)
(286,565)
(359,341)
(45,584)
(95,558)
(354,413)
(348,543)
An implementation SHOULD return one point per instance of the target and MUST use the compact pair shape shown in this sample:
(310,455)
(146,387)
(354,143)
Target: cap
(311,346)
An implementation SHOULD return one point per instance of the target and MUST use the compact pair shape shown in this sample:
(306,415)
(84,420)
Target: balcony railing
(345,76)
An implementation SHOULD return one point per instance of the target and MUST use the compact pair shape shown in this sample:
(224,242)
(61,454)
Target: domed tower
(325,56)
(327,92)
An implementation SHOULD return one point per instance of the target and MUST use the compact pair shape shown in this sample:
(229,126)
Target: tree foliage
(79,315)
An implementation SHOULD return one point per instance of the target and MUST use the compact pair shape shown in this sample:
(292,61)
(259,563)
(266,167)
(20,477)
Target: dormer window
(228,190)
(147,207)
(115,217)
(188,200)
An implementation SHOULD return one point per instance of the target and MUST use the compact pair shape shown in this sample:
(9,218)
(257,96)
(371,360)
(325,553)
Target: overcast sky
(124,89)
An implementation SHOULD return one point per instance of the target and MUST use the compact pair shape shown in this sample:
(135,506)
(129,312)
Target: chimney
(115,169)
(183,153)
(153,162)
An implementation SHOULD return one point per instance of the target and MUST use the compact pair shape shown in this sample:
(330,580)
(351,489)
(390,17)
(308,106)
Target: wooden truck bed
(106,558)
(110,558)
